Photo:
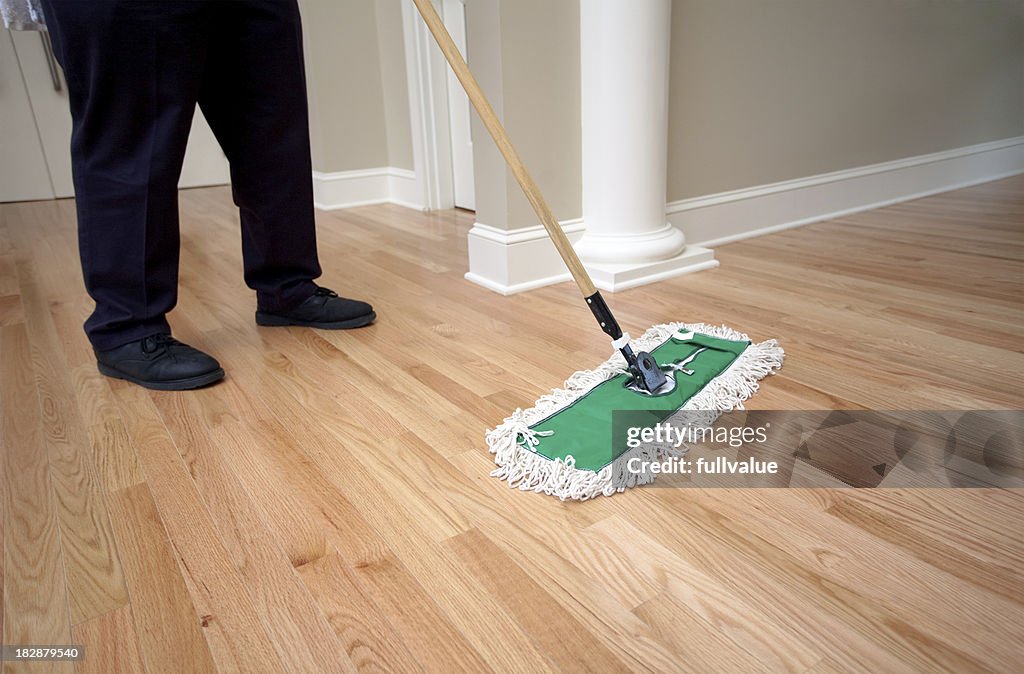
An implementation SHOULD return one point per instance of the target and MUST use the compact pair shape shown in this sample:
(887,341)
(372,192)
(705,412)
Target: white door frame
(460,113)
(426,70)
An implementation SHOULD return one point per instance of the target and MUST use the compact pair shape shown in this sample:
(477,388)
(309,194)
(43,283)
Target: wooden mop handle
(501,139)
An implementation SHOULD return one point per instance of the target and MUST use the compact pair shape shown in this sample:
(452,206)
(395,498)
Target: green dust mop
(561,446)
(566,446)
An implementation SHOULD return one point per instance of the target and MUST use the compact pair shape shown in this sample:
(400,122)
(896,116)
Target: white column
(624,47)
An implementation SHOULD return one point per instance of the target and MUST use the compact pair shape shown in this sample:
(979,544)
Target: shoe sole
(173,385)
(273,321)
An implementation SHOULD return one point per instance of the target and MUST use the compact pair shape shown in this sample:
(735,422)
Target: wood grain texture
(563,638)
(35,591)
(328,506)
(295,625)
(167,625)
(236,635)
(369,639)
(111,646)
(92,569)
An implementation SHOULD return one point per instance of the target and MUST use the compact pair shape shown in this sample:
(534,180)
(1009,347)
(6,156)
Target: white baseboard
(404,189)
(347,189)
(731,216)
(511,261)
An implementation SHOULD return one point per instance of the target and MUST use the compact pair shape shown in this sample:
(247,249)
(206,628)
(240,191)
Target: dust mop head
(561,445)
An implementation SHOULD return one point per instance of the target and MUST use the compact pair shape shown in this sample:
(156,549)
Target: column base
(655,245)
(612,277)
(511,261)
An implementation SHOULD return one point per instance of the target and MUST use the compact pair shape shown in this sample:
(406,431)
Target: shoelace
(324,292)
(153,343)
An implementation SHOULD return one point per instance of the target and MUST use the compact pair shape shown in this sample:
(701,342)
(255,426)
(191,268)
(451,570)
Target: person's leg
(133,71)
(254,97)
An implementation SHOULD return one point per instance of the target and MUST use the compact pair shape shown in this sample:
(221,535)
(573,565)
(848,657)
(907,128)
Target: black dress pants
(135,71)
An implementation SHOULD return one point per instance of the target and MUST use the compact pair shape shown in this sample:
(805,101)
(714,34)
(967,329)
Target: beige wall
(540,55)
(526,55)
(355,69)
(394,83)
(483,54)
(768,90)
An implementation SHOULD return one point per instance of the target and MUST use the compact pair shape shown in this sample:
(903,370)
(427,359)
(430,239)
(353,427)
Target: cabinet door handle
(51,60)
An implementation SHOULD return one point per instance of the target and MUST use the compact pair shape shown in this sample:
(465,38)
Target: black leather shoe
(160,362)
(323,309)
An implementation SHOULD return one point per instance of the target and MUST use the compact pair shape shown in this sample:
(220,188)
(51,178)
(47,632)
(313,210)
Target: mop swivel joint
(646,373)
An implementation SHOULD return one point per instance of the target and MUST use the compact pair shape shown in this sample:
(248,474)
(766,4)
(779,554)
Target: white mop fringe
(521,467)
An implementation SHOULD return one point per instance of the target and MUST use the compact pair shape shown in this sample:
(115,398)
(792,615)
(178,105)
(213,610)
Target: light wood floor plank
(370,641)
(92,567)
(847,553)
(674,624)
(379,579)
(169,630)
(569,645)
(237,638)
(706,602)
(35,591)
(434,643)
(111,645)
(11,311)
(548,539)
(114,460)
(973,561)
(296,627)
(834,615)
(5,393)
(482,624)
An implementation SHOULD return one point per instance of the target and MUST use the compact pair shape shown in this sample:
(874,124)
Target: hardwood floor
(328,506)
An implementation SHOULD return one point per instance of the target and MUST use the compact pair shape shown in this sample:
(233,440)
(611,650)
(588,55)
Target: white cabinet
(35,128)
(23,171)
